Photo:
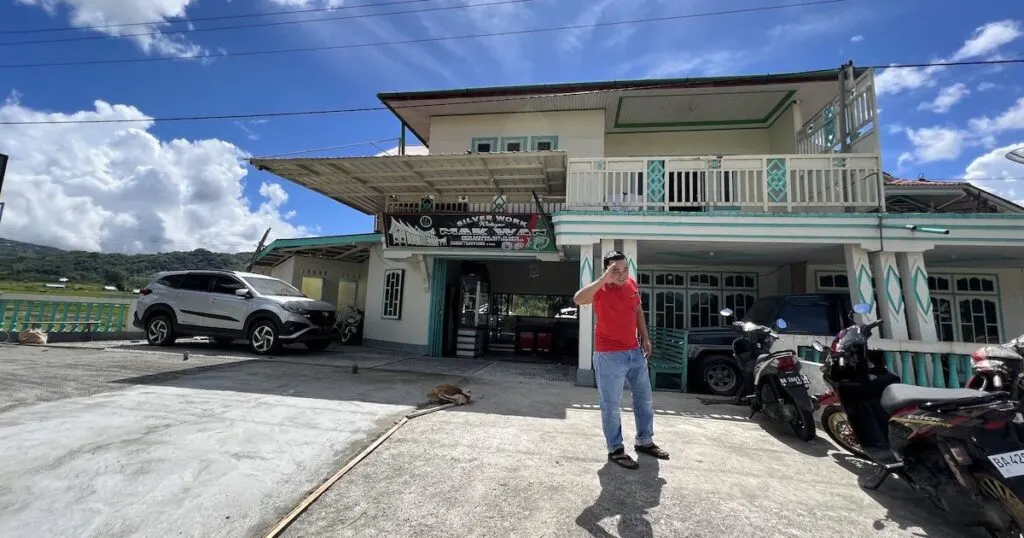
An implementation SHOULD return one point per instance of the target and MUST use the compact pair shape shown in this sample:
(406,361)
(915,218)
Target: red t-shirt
(615,309)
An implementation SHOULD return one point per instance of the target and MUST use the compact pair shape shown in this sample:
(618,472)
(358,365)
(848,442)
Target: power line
(216,18)
(352,145)
(425,39)
(265,24)
(331,111)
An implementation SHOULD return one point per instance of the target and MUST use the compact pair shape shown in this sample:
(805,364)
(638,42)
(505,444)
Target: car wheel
(159,330)
(720,375)
(318,345)
(263,337)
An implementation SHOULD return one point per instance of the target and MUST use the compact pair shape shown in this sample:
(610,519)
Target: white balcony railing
(773,183)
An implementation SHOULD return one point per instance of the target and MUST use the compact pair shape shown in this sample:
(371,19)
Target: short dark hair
(610,257)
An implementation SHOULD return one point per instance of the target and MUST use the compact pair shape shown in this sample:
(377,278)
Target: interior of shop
(519,311)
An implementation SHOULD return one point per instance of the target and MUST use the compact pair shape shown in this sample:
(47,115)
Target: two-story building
(719,190)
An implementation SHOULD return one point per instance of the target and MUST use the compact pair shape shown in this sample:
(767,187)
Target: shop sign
(503,231)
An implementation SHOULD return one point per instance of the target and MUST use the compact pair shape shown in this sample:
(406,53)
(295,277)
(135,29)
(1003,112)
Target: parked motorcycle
(350,324)
(999,368)
(959,447)
(779,388)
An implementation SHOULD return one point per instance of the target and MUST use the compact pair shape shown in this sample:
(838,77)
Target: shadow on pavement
(906,508)
(817,447)
(628,494)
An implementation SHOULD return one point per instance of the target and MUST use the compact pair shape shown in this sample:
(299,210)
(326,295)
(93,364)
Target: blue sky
(923,134)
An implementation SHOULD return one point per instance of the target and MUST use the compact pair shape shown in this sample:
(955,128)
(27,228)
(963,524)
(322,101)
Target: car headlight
(296,309)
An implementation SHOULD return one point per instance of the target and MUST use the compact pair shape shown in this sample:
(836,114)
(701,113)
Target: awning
(365,183)
(345,248)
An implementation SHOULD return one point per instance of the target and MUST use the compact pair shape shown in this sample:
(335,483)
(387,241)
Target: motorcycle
(779,388)
(350,324)
(960,448)
(999,368)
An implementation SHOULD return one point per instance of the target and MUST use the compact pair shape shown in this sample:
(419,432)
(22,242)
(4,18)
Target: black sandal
(652,450)
(620,458)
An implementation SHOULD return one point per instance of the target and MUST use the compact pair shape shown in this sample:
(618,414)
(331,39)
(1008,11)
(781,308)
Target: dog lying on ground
(448,393)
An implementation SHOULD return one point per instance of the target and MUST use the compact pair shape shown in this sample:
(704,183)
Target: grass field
(72,290)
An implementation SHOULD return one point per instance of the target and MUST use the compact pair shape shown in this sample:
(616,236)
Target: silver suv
(231,305)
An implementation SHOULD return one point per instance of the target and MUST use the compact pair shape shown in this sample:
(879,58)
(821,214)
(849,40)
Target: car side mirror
(243,292)
(781,324)
(818,346)
(725,312)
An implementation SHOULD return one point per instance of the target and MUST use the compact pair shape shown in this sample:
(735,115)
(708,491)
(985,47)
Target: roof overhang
(365,183)
(943,197)
(737,102)
(345,248)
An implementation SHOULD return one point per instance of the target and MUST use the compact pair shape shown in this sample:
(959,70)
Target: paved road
(106,443)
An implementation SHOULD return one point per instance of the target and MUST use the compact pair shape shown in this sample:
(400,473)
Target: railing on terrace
(472,206)
(821,133)
(770,183)
(65,317)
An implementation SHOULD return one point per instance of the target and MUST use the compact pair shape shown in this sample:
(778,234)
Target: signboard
(499,231)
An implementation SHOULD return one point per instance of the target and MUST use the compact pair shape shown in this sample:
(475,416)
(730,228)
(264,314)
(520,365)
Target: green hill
(25,262)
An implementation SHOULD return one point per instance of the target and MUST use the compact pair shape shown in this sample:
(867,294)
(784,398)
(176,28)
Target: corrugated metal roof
(350,248)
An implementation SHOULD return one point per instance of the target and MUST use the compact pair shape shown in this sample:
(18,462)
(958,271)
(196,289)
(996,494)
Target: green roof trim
(324,241)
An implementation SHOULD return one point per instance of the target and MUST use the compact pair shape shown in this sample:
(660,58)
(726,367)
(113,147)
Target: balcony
(748,183)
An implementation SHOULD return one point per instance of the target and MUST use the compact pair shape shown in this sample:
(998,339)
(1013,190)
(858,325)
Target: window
(833,281)
(691,299)
(814,315)
(966,308)
(483,145)
(225,284)
(393,287)
(272,286)
(544,143)
(196,282)
(513,143)
(171,281)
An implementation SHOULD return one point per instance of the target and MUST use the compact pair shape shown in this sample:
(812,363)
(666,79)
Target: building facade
(719,191)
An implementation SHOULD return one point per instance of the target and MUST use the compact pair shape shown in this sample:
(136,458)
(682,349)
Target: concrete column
(607,245)
(891,307)
(858,270)
(629,248)
(584,373)
(920,318)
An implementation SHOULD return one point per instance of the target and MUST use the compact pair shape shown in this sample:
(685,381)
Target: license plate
(791,380)
(1009,464)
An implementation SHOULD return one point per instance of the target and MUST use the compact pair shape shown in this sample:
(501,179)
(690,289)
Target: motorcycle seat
(899,395)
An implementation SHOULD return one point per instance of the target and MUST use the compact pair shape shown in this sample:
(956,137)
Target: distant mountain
(35,263)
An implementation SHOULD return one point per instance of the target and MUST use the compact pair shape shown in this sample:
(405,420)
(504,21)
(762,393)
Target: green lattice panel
(656,181)
(777,180)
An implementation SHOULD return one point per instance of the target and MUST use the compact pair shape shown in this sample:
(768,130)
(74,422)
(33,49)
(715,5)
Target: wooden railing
(766,183)
(63,316)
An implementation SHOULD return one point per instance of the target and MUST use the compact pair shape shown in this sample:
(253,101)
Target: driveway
(107,443)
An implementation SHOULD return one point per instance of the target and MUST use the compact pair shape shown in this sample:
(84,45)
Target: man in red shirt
(619,357)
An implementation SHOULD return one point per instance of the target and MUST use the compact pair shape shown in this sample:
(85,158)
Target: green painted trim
(587,270)
(774,237)
(871,216)
(710,222)
(435,324)
(896,303)
(524,143)
(616,124)
(534,140)
(918,276)
(325,241)
(493,140)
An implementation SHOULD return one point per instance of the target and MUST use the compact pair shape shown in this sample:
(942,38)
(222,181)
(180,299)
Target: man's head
(616,260)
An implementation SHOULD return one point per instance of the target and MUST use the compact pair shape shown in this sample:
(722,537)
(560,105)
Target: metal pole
(401,140)
(3,172)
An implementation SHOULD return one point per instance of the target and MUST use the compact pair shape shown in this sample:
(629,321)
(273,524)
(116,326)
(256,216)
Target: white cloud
(997,174)
(309,3)
(934,144)
(674,64)
(947,97)
(1010,120)
(857,38)
(90,13)
(574,39)
(986,86)
(984,42)
(409,150)
(116,187)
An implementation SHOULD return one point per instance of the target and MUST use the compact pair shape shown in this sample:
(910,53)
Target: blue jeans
(613,369)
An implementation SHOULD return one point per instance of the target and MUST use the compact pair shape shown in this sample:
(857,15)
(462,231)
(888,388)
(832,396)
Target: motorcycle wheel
(803,425)
(994,488)
(837,427)
(346,336)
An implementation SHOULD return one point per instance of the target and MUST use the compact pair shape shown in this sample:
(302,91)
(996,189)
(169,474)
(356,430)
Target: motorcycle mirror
(817,346)
(781,323)
(862,308)
(725,312)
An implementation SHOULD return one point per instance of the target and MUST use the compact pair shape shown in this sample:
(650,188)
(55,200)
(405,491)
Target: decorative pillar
(920,318)
(858,271)
(584,373)
(891,307)
(629,248)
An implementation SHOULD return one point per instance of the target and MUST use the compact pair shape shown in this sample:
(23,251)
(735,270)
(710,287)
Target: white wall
(293,269)
(581,133)
(739,141)
(782,133)
(412,328)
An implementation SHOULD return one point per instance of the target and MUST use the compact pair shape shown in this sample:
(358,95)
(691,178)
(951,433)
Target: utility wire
(264,24)
(539,95)
(216,18)
(423,40)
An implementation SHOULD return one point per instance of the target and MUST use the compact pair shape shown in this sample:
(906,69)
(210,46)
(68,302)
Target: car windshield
(762,310)
(273,286)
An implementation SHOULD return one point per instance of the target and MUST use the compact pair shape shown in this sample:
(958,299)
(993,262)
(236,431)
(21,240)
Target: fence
(924,369)
(64,317)
(669,358)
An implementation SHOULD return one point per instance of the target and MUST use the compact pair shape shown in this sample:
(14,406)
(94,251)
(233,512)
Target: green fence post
(954,372)
(921,369)
(121,311)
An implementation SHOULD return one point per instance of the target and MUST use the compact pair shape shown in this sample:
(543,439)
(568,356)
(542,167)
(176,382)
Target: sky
(157,186)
